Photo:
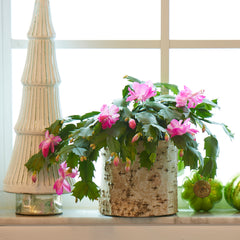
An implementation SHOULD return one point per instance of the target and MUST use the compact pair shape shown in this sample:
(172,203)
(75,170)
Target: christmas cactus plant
(143,113)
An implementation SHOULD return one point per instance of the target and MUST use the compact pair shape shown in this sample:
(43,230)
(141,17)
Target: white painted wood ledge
(94,218)
(90,225)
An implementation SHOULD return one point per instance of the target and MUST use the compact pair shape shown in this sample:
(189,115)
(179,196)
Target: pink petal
(66,186)
(113,109)
(47,134)
(58,186)
(45,148)
(73,174)
(52,147)
(132,95)
(108,116)
(104,109)
(56,140)
(61,172)
(63,165)
(178,128)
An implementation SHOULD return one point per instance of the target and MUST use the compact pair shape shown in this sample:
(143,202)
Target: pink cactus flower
(108,116)
(49,142)
(189,99)
(179,128)
(132,123)
(141,92)
(62,182)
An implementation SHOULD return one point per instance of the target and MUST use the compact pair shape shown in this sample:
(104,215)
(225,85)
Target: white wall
(178,232)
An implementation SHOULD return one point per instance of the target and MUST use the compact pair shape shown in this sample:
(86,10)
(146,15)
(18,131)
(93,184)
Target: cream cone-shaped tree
(40,107)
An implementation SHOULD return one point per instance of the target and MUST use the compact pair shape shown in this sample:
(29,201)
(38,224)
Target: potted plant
(143,116)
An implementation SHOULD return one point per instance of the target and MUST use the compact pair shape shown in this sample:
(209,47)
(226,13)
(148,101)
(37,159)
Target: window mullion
(150,44)
(165,41)
(204,43)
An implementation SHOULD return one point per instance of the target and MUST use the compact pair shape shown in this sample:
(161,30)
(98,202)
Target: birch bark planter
(141,192)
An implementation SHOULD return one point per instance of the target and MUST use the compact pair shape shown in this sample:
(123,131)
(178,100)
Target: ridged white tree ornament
(40,106)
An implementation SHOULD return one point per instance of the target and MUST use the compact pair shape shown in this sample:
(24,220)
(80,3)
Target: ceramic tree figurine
(40,107)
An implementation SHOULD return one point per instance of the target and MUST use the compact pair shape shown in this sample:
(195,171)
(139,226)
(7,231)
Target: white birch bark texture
(39,108)
(141,192)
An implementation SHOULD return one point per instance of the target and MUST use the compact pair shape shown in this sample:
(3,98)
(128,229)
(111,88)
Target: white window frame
(5,88)
(6,44)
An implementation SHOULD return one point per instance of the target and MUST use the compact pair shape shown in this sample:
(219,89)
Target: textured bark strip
(141,192)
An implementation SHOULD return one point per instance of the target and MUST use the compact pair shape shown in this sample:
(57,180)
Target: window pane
(21,16)
(18,63)
(218,73)
(91,77)
(94,19)
(204,19)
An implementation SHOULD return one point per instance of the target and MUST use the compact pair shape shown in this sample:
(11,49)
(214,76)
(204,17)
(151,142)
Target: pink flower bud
(132,123)
(136,137)
(83,158)
(116,161)
(181,152)
(203,128)
(149,139)
(128,164)
(113,154)
(93,146)
(34,177)
(57,158)
(127,168)
(166,137)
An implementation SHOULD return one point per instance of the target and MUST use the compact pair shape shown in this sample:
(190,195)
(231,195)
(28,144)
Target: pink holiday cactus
(62,182)
(187,98)
(179,128)
(49,142)
(108,116)
(141,92)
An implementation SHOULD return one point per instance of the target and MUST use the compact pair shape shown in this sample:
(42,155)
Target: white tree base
(41,205)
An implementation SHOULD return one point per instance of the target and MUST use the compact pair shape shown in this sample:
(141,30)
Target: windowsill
(88,215)
(94,218)
(91,225)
